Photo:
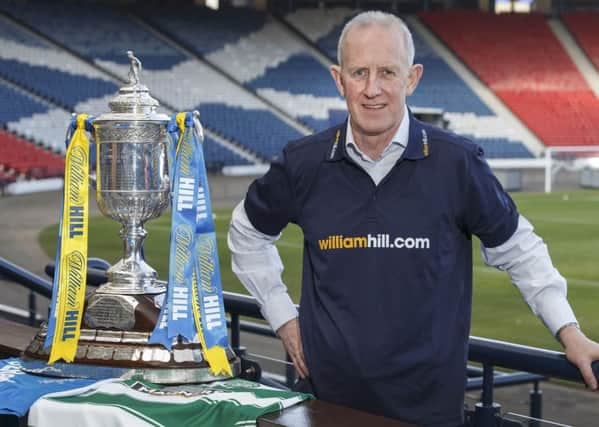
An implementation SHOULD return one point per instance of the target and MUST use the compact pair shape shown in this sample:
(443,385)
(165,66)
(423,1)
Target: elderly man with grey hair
(388,206)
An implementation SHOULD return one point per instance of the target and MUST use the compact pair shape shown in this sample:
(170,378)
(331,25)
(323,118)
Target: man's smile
(374,106)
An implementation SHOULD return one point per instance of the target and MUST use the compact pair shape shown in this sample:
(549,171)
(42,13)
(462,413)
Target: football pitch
(567,221)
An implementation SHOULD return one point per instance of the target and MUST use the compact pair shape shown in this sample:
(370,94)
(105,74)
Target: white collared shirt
(378,169)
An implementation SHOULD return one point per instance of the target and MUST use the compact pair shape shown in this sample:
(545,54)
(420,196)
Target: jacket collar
(418,146)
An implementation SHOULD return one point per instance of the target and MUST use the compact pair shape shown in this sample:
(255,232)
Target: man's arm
(526,259)
(256,262)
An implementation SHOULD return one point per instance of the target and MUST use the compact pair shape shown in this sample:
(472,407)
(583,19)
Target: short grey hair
(382,19)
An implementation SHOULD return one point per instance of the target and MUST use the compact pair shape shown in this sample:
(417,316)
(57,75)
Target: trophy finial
(135,69)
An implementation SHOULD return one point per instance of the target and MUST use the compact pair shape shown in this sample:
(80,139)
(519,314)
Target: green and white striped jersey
(134,403)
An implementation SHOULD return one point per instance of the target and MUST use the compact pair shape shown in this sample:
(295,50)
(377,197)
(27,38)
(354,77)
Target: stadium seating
(321,26)
(583,25)
(440,87)
(543,86)
(237,124)
(59,87)
(46,84)
(114,33)
(252,47)
(259,54)
(22,159)
(206,29)
(15,104)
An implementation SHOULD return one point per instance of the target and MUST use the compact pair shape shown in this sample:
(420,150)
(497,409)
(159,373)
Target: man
(388,206)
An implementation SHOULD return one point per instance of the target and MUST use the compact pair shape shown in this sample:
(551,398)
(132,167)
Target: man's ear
(336,74)
(414,76)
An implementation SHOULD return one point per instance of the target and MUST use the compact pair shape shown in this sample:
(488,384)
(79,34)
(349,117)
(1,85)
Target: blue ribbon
(176,317)
(191,216)
(214,325)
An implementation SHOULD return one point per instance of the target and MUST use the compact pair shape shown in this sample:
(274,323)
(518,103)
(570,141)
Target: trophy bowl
(133,186)
(132,179)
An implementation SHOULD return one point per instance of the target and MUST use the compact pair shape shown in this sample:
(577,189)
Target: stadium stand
(543,87)
(39,107)
(22,159)
(258,52)
(19,106)
(583,25)
(440,87)
(199,85)
(321,26)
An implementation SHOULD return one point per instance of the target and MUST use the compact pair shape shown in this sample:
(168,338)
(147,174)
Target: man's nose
(373,86)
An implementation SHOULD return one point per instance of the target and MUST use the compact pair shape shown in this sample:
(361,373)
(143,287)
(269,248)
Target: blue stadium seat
(14,105)
(60,87)
(300,74)
(255,130)
(204,29)
(216,156)
(97,32)
(500,148)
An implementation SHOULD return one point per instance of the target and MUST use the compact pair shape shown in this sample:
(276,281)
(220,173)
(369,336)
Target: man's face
(375,80)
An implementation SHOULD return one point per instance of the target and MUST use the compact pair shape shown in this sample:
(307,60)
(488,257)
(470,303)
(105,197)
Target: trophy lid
(133,101)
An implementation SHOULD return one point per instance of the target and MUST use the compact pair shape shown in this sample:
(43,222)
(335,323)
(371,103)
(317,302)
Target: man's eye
(359,73)
(389,73)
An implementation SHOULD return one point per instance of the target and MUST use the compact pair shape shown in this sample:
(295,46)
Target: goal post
(573,165)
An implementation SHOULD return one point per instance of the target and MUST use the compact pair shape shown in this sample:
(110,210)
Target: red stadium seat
(583,25)
(26,159)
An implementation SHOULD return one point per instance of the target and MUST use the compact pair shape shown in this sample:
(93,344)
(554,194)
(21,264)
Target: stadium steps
(520,130)
(313,48)
(188,49)
(577,54)
(236,148)
(255,56)
(26,132)
(583,27)
(58,112)
(321,28)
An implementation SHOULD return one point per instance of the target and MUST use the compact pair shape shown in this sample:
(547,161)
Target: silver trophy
(132,186)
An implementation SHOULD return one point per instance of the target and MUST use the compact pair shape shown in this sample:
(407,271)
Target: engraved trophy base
(114,343)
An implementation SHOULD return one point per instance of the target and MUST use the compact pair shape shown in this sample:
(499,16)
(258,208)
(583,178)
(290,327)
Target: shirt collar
(399,138)
(416,147)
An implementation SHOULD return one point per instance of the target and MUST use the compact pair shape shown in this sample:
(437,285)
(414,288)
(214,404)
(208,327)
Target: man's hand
(292,341)
(581,351)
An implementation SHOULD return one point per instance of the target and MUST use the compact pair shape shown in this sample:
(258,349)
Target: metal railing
(538,364)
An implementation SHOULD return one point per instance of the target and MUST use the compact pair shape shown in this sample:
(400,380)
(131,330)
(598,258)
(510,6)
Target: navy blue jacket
(387,269)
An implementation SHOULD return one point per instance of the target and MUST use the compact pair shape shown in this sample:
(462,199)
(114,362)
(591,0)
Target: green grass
(568,222)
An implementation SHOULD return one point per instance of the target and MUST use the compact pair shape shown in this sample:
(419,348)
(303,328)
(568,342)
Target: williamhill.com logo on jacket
(376,241)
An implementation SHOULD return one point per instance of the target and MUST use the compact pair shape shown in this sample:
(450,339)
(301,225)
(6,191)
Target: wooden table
(14,338)
(316,413)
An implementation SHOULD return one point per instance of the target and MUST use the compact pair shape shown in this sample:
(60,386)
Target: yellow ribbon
(215,356)
(73,258)
(180,119)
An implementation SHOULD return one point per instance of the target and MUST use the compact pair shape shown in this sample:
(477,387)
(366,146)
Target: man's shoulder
(449,142)
(316,146)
